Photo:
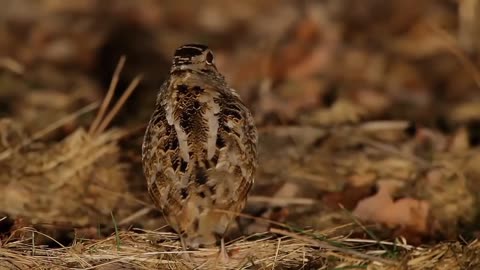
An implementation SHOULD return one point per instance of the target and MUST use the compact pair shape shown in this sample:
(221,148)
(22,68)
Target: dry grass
(161,250)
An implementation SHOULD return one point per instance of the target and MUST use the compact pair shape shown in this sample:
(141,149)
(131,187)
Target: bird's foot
(223,254)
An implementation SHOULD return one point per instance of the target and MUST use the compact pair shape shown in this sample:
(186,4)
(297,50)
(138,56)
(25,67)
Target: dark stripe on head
(190,50)
(184,54)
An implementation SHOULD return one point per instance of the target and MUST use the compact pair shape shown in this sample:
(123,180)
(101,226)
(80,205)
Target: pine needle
(108,97)
(131,87)
(330,247)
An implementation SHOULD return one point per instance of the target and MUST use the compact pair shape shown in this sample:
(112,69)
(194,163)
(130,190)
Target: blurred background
(365,108)
(288,59)
(406,56)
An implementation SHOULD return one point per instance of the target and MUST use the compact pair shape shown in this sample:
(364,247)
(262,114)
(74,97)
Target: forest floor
(368,115)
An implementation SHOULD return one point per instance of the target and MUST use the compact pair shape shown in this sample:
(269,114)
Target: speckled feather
(199,149)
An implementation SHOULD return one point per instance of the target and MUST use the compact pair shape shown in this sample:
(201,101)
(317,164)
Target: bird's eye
(209,58)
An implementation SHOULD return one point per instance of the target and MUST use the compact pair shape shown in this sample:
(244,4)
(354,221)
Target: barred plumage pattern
(199,150)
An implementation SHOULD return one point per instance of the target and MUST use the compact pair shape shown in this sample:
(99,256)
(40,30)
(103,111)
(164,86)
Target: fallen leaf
(381,208)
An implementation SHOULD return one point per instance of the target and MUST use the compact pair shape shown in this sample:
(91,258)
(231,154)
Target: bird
(199,151)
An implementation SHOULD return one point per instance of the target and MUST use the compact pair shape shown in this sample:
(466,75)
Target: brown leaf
(296,47)
(406,212)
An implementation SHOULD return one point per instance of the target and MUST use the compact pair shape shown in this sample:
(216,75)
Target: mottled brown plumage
(199,150)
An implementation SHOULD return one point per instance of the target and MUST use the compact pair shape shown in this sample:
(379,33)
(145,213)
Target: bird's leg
(223,255)
(186,255)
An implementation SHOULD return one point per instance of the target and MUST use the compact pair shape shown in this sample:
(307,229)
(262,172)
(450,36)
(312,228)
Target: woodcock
(199,151)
